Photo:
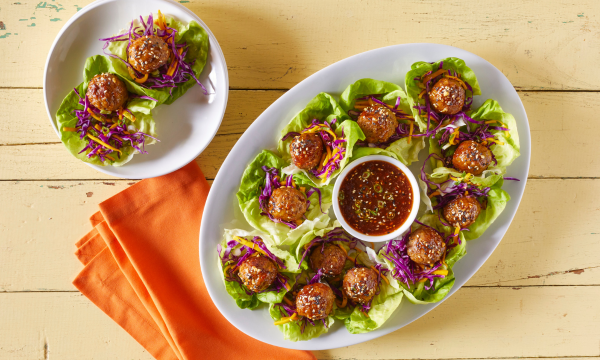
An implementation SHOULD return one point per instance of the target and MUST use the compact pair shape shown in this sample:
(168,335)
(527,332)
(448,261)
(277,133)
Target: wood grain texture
(556,119)
(276,44)
(41,220)
(530,322)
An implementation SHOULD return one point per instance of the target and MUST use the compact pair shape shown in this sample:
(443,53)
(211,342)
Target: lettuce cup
(440,92)
(382,111)
(283,206)
(422,260)
(106,119)
(319,141)
(163,55)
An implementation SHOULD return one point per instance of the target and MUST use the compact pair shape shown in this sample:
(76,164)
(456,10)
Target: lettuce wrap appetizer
(249,288)
(319,141)
(488,128)
(164,55)
(100,136)
(397,136)
(440,92)
(431,281)
(283,206)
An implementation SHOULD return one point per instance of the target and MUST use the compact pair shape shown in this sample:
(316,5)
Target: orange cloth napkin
(142,269)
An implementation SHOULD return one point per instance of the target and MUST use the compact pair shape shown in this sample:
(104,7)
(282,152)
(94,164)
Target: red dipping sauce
(375,198)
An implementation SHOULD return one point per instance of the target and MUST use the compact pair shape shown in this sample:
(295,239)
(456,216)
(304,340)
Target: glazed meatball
(378,123)
(315,301)
(288,204)
(107,92)
(425,246)
(360,284)
(472,157)
(447,96)
(462,211)
(330,259)
(306,150)
(258,273)
(148,53)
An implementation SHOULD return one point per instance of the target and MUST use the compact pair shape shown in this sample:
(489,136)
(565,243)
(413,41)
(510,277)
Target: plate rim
(214,45)
(458,284)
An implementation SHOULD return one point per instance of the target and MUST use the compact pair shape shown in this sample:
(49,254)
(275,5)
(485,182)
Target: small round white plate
(184,128)
(390,64)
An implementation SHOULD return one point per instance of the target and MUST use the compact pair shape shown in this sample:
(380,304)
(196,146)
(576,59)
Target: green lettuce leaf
(65,116)
(292,330)
(421,67)
(253,180)
(193,35)
(322,107)
(496,202)
(402,150)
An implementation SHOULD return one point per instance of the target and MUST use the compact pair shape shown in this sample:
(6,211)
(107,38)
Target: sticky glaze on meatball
(258,273)
(315,301)
(307,150)
(378,123)
(107,92)
(148,53)
(447,96)
(425,246)
(288,204)
(462,211)
(331,259)
(472,157)
(360,284)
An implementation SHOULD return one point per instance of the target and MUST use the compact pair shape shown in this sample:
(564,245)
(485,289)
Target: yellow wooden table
(536,297)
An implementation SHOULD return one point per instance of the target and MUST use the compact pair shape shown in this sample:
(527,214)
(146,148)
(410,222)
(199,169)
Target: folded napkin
(142,269)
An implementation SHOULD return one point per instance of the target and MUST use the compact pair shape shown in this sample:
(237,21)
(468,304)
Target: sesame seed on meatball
(315,301)
(462,211)
(472,157)
(425,246)
(107,92)
(330,259)
(378,123)
(258,273)
(148,53)
(306,150)
(287,203)
(447,96)
(360,284)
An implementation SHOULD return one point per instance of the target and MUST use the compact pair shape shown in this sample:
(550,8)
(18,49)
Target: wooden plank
(475,323)
(276,44)
(557,122)
(41,220)
(23,117)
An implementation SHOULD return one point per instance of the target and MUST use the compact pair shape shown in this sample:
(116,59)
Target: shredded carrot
(462,83)
(103,143)
(174,64)
(128,115)
(431,76)
(383,277)
(440,272)
(249,244)
(286,320)
(422,93)
(98,127)
(94,115)
(138,80)
(69,129)
(110,158)
(287,286)
(367,315)
(411,126)
(288,301)
(435,193)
